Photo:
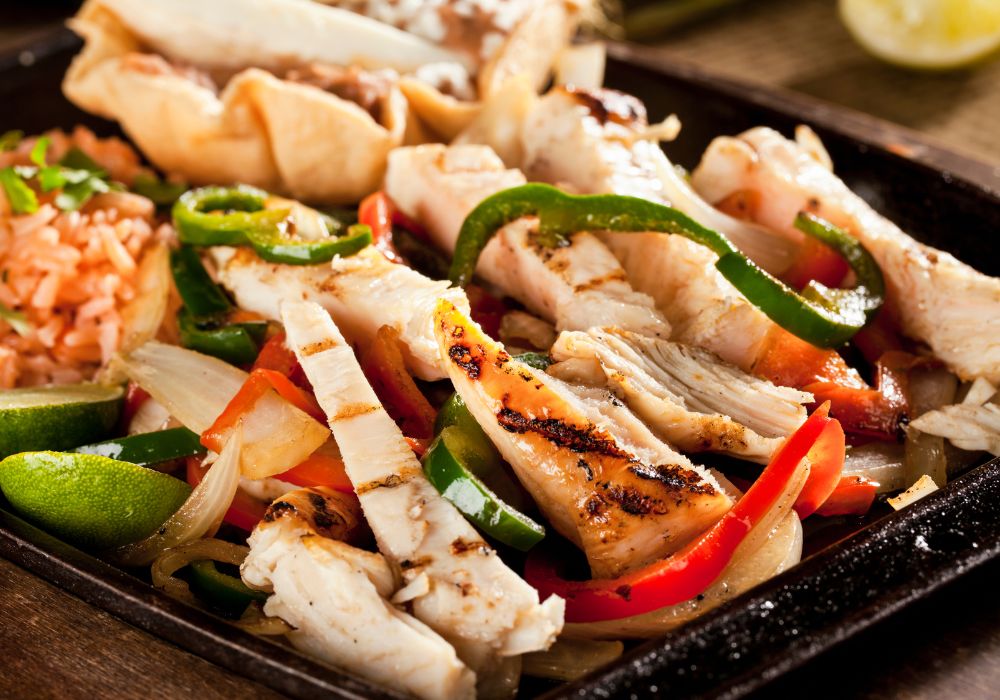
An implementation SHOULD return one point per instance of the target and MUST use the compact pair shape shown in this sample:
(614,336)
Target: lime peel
(89,500)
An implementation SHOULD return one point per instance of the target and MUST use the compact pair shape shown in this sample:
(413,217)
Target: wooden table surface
(53,645)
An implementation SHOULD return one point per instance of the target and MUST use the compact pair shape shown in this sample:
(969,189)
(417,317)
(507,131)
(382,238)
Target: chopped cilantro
(21,197)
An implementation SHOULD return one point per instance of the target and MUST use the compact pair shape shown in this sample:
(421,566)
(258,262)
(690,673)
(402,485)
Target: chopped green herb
(17,320)
(39,150)
(75,195)
(21,197)
(78,160)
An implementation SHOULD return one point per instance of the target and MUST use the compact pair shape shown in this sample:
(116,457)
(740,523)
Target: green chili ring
(822,316)
(236,216)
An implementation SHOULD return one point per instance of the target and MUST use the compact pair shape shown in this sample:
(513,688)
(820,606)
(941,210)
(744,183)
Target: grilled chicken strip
(362,292)
(454,580)
(336,598)
(687,396)
(940,301)
(575,286)
(603,480)
(594,141)
(591,142)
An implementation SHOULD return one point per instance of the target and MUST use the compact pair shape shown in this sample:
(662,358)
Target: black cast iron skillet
(864,569)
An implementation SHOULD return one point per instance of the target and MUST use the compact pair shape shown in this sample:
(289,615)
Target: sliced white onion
(924,453)
(930,389)
(174,559)
(255,621)
(277,436)
(881,462)
(143,316)
(201,513)
(516,327)
(309,223)
(569,659)
(149,418)
(194,388)
(767,550)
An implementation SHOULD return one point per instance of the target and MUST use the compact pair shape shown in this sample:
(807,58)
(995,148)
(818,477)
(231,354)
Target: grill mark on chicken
(279,509)
(462,356)
(353,411)
(407,564)
(331,513)
(560,433)
(390,482)
(596,282)
(314,348)
(609,105)
(460,546)
(322,516)
(674,477)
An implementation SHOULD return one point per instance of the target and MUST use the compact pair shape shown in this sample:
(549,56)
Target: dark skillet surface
(746,644)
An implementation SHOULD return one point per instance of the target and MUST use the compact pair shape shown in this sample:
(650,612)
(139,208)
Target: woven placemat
(801,45)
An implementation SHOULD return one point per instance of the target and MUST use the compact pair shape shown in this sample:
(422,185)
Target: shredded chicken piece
(939,300)
(336,599)
(688,396)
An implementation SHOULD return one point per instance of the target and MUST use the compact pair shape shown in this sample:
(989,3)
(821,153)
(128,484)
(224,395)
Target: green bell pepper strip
(200,294)
(451,465)
(237,216)
(225,593)
(236,343)
(536,360)
(146,449)
(821,316)
(203,322)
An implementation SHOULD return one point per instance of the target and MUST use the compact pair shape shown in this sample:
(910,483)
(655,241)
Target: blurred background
(824,48)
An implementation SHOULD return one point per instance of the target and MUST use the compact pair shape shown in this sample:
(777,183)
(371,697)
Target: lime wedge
(56,417)
(926,34)
(89,500)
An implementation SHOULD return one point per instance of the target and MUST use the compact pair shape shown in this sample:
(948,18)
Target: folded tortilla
(141,63)
(284,136)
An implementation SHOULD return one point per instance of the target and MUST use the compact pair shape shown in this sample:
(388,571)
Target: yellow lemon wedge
(925,34)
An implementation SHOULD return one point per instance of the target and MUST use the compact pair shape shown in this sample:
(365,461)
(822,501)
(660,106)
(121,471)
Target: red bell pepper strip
(788,360)
(276,355)
(826,460)
(376,212)
(816,261)
(320,470)
(874,412)
(244,512)
(690,571)
(256,386)
(385,369)
(135,397)
(853,495)
(290,392)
